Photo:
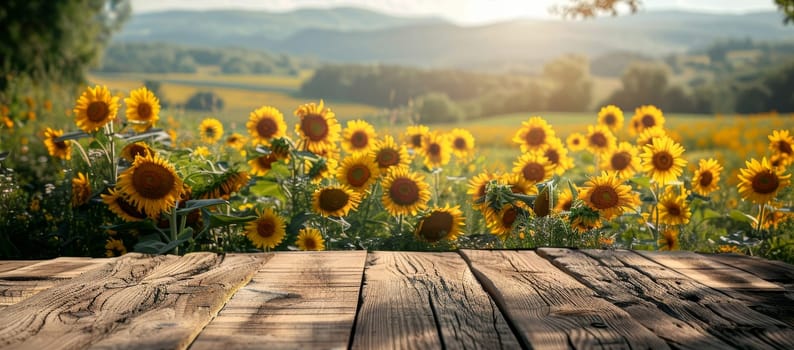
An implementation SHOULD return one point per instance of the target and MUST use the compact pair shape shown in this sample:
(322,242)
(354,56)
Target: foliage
(787,7)
(436,107)
(204,101)
(592,8)
(650,82)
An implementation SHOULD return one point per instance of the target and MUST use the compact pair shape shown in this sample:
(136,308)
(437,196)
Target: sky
(464,12)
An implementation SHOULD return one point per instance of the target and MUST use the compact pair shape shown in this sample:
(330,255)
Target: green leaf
(574,192)
(156,134)
(186,234)
(74,135)
(149,247)
(742,217)
(194,204)
(297,221)
(266,188)
(711,214)
(4,155)
(641,181)
(217,220)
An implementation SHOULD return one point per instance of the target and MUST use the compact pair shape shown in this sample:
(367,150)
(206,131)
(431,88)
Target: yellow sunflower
(707,177)
(599,139)
(585,219)
(669,239)
(236,141)
(533,134)
(143,109)
(318,127)
(414,135)
(646,136)
(358,136)
(131,150)
(81,190)
(565,200)
(576,142)
(310,239)
(121,206)
(759,182)
(335,200)
(439,224)
(262,164)
(501,222)
(781,143)
(95,108)
(230,182)
(624,160)
(151,184)
(267,231)
(201,151)
(324,168)
(61,149)
(662,160)
(436,150)
(557,155)
(211,130)
(533,167)
(265,124)
(518,184)
(404,192)
(611,116)
(607,195)
(477,189)
(114,247)
(462,143)
(673,208)
(646,117)
(358,171)
(388,154)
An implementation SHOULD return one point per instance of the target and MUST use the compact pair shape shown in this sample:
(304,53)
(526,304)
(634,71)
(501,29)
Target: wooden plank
(136,301)
(297,300)
(8,265)
(28,279)
(765,269)
(425,301)
(726,316)
(550,309)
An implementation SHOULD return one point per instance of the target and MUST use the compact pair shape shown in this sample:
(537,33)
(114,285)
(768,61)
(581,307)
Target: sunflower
(673,208)
(310,239)
(335,200)
(669,239)
(143,109)
(121,206)
(477,189)
(600,140)
(131,150)
(267,231)
(81,190)
(115,247)
(707,177)
(358,171)
(404,192)
(151,184)
(228,183)
(264,124)
(414,135)
(662,160)
(440,224)
(501,222)
(211,130)
(646,136)
(729,249)
(623,160)
(646,117)
(533,134)
(780,142)
(759,182)
(358,136)
(388,154)
(236,141)
(95,108)
(323,168)
(518,184)
(576,142)
(317,126)
(612,117)
(202,151)
(584,219)
(533,167)
(557,155)
(436,149)
(57,149)
(607,195)
(564,200)
(462,143)
(262,164)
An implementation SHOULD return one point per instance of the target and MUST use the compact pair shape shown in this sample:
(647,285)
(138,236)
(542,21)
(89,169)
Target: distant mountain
(356,35)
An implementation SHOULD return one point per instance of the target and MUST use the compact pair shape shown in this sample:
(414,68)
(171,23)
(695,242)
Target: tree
(573,87)
(204,101)
(592,8)
(787,7)
(56,40)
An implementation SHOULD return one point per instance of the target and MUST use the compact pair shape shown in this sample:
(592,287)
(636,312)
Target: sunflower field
(118,178)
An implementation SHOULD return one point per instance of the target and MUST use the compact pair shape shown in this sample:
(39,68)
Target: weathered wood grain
(425,301)
(135,301)
(550,309)
(28,279)
(721,314)
(773,271)
(9,265)
(297,300)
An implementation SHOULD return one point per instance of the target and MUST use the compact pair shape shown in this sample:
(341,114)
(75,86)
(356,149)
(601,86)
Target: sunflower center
(553,156)
(359,139)
(784,147)
(534,172)
(333,199)
(416,140)
(509,217)
(387,157)
(144,111)
(152,181)
(535,137)
(138,150)
(265,228)
(434,150)
(648,121)
(266,162)
(459,144)
(61,145)
(358,175)
(705,178)
(436,226)
(765,182)
(315,127)
(209,132)
(266,127)
(566,205)
(604,197)
(404,191)
(576,141)
(610,119)
(598,139)
(309,243)
(97,111)
(674,210)
(662,161)
(620,160)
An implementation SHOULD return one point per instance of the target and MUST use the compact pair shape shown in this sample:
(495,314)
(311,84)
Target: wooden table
(548,298)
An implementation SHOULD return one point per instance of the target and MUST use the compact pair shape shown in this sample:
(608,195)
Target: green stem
(761,215)
(82,153)
(173,226)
